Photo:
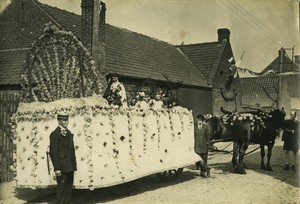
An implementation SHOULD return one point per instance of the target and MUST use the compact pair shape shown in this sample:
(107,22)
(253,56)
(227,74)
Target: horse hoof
(263,168)
(242,171)
(269,168)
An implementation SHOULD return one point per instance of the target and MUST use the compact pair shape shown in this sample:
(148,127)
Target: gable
(22,22)
(205,56)
(286,65)
(127,53)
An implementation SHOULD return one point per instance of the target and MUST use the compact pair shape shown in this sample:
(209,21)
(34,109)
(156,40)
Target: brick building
(196,75)
(135,58)
(213,60)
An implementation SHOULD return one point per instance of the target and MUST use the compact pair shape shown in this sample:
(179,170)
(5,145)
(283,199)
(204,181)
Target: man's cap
(62,115)
(200,116)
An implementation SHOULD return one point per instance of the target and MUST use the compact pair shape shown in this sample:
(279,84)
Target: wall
(8,105)
(290,93)
(219,82)
(195,99)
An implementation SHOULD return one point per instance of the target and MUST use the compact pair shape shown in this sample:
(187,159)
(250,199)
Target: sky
(258,27)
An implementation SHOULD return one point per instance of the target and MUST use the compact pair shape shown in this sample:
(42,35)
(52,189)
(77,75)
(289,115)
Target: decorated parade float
(113,145)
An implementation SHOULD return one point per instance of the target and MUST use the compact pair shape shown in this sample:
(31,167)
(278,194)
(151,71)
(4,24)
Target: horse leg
(270,147)
(262,155)
(242,152)
(234,157)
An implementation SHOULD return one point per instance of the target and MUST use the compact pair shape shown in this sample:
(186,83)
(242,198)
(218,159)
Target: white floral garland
(40,112)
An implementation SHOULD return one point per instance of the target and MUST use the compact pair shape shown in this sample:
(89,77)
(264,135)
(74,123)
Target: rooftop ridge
(36,4)
(196,44)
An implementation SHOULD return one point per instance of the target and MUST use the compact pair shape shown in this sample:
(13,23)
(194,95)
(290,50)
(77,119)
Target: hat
(62,115)
(200,116)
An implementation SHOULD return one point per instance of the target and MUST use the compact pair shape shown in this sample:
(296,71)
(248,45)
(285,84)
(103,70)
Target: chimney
(223,33)
(93,32)
(281,53)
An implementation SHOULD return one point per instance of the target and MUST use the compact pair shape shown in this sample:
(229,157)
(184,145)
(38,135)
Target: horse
(258,127)
(268,135)
(219,130)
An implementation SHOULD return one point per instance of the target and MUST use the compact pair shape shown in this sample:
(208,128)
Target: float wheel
(170,175)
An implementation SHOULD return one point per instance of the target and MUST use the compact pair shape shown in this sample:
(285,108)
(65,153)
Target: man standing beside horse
(290,137)
(202,140)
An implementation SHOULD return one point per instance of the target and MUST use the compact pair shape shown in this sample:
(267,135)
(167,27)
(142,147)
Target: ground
(257,186)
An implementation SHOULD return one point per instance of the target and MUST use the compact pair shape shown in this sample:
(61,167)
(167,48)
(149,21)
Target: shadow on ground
(277,163)
(104,195)
(252,162)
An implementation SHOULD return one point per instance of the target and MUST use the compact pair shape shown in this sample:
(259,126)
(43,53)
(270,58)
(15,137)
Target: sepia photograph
(149,101)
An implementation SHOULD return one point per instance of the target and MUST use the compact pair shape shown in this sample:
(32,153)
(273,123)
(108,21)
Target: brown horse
(220,130)
(257,127)
(229,128)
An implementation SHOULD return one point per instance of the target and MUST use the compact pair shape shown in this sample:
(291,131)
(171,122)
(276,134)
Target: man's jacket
(201,137)
(62,151)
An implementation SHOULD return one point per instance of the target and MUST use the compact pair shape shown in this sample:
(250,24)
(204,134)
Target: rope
(227,152)
(223,150)
(252,151)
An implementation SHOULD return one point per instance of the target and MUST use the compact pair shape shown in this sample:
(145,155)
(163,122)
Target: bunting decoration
(261,74)
(235,68)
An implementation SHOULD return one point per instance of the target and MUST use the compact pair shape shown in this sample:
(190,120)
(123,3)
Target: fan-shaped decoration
(58,66)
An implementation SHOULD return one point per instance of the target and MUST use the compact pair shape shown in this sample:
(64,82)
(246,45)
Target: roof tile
(260,86)
(204,56)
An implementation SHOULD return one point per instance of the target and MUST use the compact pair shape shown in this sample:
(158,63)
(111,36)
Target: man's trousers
(64,187)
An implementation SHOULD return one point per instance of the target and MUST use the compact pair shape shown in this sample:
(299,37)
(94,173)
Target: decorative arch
(58,66)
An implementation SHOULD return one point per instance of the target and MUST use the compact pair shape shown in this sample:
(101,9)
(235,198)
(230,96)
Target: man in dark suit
(202,144)
(63,158)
